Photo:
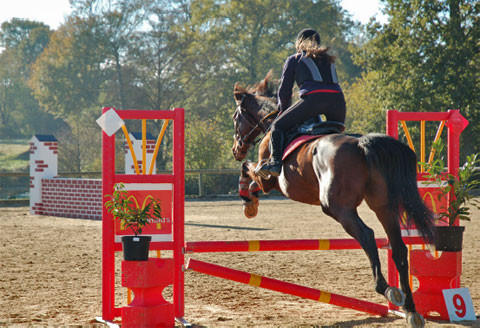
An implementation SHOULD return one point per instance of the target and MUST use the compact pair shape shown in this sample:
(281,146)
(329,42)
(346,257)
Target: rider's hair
(313,49)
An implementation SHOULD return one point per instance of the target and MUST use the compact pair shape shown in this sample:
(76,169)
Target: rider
(313,69)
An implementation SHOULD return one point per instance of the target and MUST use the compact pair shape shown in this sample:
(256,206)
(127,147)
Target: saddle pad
(297,142)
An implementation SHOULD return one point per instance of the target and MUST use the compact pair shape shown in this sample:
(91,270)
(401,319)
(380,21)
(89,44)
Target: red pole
(276,245)
(456,124)
(286,287)
(392,275)
(392,123)
(108,257)
(285,245)
(454,129)
(178,217)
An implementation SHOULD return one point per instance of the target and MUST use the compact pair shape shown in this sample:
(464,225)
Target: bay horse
(337,172)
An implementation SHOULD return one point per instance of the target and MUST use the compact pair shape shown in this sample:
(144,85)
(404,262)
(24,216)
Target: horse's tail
(398,165)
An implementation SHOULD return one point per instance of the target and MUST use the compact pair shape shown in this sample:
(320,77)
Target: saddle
(310,129)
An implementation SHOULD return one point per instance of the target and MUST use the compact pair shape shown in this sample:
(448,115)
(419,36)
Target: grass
(14,155)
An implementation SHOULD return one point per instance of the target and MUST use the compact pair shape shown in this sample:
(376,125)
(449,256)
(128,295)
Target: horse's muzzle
(239,153)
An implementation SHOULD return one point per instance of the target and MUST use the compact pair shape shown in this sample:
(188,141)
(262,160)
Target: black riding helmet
(307,33)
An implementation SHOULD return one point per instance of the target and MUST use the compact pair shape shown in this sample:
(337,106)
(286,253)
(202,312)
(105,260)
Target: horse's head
(253,115)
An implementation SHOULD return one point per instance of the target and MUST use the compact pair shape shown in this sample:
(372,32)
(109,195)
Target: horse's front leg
(249,190)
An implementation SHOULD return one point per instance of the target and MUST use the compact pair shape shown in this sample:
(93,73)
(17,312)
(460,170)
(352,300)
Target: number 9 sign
(459,304)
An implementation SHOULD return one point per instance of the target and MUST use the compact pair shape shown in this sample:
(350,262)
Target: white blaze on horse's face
(239,149)
(242,128)
(236,140)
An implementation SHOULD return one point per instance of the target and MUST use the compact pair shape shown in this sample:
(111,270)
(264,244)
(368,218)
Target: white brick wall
(43,164)
(72,198)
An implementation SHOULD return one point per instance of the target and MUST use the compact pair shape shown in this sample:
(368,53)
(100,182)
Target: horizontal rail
(129,114)
(286,245)
(421,116)
(286,287)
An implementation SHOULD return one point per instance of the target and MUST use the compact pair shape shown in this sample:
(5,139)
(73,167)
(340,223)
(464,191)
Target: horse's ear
(238,93)
(268,77)
(262,87)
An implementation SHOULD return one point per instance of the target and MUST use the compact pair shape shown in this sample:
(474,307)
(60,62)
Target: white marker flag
(110,122)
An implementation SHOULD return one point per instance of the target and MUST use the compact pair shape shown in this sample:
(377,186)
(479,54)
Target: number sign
(459,304)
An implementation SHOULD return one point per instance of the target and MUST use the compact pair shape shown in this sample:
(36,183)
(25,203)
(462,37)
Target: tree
(366,112)
(240,41)
(118,21)
(68,80)
(158,53)
(68,76)
(426,58)
(17,30)
(20,114)
(80,143)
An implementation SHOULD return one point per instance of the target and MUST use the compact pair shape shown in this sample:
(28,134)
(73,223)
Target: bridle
(256,125)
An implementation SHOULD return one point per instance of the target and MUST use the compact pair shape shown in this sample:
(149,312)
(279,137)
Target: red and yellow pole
(286,287)
(285,245)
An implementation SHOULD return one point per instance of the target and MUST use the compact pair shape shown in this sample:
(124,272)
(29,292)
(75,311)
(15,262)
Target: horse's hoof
(250,211)
(395,296)
(415,320)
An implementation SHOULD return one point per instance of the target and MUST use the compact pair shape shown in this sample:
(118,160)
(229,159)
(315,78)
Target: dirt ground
(50,273)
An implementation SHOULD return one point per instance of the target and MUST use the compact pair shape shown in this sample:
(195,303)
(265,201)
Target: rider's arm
(286,84)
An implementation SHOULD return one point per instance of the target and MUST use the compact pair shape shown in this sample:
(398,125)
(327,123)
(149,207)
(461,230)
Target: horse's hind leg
(356,228)
(391,226)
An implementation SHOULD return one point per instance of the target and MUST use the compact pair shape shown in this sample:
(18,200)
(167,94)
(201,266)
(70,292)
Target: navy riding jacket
(310,75)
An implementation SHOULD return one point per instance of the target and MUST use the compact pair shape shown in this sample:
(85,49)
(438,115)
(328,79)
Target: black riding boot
(274,166)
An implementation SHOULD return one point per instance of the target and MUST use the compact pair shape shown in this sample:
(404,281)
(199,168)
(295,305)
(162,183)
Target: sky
(53,12)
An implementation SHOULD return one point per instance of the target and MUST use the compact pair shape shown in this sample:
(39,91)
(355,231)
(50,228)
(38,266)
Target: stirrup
(272,168)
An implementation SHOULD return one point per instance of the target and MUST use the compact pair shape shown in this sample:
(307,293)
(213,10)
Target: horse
(337,172)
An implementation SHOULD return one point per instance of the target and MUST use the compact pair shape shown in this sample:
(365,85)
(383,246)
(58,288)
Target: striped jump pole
(286,287)
(285,245)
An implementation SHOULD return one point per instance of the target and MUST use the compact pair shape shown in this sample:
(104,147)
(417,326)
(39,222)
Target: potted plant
(460,189)
(135,248)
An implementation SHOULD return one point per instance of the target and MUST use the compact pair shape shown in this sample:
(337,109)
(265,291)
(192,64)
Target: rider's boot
(274,166)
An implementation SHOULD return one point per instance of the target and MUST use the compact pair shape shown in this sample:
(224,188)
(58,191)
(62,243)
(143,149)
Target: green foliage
(20,113)
(160,54)
(425,58)
(155,54)
(80,144)
(67,77)
(460,189)
(366,113)
(206,145)
(240,41)
(125,210)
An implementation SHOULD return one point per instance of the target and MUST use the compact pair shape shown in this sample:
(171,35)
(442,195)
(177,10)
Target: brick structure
(72,198)
(43,164)
(51,195)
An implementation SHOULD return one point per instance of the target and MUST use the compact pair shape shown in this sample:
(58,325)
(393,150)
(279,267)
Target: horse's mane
(263,93)
(265,88)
